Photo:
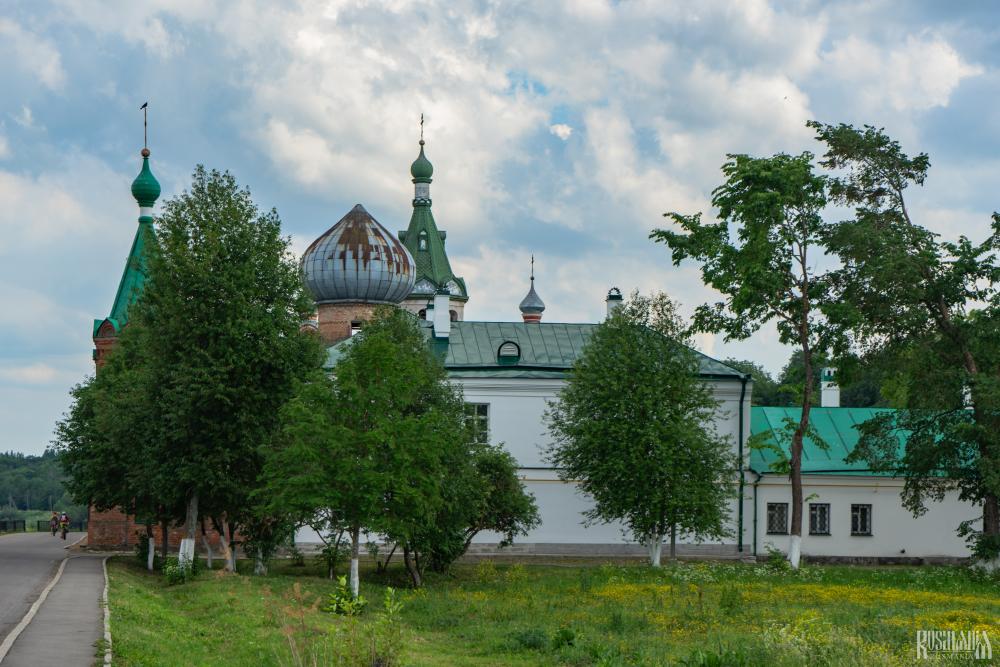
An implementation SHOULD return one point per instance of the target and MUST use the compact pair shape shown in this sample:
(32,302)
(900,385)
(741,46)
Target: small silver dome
(358,260)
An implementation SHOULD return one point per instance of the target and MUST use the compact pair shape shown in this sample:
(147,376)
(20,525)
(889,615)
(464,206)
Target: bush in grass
(533,639)
(564,636)
(776,560)
(178,573)
(342,600)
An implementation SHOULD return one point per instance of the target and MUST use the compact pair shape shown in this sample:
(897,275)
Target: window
(422,241)
(861,519)
(508,353)
(819,518)
(453,314)
(777,518)
(422,313)
(477,416)
(355,327)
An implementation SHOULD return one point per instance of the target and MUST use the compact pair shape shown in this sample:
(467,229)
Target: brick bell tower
(113,528)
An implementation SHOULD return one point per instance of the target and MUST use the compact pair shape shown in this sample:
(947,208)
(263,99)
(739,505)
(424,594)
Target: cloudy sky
(563,129)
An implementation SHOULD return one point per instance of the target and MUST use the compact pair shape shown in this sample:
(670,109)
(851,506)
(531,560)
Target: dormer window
(422,241)
(509,353)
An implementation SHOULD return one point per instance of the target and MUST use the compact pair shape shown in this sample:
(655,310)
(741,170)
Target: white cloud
(26,118)
(32,374)
(31,53)
(917,74)
(561,130)
(4,146)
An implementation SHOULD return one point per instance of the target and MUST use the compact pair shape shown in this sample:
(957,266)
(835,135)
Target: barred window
(477,416)
(861,519)
(819,518)
(777,518)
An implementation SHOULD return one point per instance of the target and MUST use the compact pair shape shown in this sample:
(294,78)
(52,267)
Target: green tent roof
(836,426)
(547,349)
(133,279)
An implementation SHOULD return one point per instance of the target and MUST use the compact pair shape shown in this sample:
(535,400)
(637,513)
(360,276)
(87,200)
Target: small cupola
(145,188)
(532,305)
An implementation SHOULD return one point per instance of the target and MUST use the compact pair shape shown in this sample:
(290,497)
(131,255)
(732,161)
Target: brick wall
(112,529)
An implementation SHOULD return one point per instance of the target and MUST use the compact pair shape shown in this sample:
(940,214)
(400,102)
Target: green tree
(765,388)
(933,305)
(765,268)
(634,427)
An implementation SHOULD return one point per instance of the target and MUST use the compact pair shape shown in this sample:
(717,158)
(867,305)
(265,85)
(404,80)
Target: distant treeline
(32,482)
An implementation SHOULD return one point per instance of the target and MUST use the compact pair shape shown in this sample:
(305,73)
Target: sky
(563,129)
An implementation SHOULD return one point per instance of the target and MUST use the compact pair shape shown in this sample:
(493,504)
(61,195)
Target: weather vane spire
(532,266)
(421,129)
(145,141)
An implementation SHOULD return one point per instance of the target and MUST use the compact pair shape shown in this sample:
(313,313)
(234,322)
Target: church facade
(510,371)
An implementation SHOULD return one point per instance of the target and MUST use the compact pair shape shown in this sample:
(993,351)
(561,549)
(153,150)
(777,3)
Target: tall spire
(145,187)
(532,305)
(426,243)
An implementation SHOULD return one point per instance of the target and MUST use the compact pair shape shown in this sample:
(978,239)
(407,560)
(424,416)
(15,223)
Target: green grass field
(487,614)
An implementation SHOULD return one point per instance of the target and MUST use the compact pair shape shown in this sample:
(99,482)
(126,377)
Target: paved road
(27,563)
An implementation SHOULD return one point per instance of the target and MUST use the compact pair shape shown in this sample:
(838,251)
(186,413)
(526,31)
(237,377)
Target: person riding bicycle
(54,523)
(64,524)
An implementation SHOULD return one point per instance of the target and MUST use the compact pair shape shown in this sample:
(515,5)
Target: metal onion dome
(358,260)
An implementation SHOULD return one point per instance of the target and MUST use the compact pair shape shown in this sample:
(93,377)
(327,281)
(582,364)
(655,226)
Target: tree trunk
(795,533)
(164,539)
(655,548)
(673,541)
(205,543)
(411,567)
(355,550)
(260,567)
(150,547)
(991,525)
(227,547)
(185,556)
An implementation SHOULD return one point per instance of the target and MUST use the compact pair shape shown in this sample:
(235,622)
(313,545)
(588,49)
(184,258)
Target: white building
(510,371)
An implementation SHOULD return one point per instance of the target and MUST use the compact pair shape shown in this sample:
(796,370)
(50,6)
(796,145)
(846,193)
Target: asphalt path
(27,563)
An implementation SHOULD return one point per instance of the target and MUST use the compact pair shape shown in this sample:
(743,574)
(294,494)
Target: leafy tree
(931,303)
(634,426)
(765,389)
(30,482)
(765,268)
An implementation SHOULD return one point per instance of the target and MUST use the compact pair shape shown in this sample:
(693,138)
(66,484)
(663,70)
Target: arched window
(454,315)
(422,313)
(508,353)
(422,241)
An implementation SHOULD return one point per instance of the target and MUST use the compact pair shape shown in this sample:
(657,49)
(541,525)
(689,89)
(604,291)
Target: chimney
(614,300)
(441,313)
(829,391)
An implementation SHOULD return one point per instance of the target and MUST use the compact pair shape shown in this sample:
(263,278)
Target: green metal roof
(836,426)
(133,279)
(547,349)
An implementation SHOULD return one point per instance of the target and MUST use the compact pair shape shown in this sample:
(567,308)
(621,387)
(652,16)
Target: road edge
(107,615)
(12,636)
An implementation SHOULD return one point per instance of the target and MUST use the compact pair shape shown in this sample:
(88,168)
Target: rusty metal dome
(358,260)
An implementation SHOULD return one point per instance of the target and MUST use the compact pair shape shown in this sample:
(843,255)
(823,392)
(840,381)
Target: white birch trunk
(259,568)
(795,551)
(150,553)
(185,556)
(208,549)
(355,548)
(227,551)
(655,549)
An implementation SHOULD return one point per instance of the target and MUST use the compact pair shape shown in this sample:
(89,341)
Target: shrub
(730,599)
(178,573)
(342,600)
(532,638)
(564,636)
(776,560)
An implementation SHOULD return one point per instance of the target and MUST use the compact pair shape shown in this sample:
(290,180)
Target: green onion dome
(145,187)
(421,169)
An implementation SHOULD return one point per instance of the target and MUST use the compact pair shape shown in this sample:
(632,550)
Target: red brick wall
(114,530)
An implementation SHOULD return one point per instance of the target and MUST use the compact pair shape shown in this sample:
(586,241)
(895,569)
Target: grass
(488,614)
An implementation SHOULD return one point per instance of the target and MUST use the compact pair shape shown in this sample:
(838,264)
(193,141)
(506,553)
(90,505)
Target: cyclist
(54,523)
(64,524)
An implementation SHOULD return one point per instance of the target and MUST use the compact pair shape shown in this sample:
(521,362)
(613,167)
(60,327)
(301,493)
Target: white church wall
(896,533)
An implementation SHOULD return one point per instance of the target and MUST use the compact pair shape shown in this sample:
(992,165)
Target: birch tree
(633,427)
(934,305)
(762,256)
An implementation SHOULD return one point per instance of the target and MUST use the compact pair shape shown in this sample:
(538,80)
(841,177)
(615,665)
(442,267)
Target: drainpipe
(755,483)
(743,393)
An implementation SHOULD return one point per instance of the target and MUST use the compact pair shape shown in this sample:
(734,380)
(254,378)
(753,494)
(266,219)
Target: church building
(509,371)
